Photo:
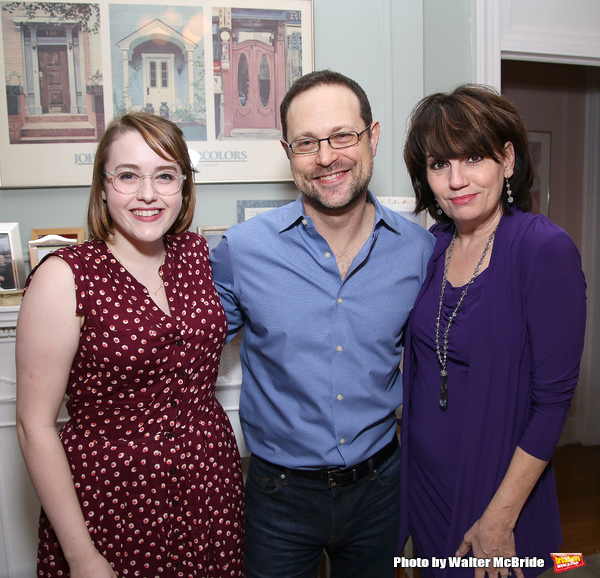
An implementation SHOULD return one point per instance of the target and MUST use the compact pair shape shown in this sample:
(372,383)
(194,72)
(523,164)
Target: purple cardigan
(526,350)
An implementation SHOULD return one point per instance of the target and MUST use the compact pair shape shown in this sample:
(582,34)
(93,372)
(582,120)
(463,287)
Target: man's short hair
(324,78)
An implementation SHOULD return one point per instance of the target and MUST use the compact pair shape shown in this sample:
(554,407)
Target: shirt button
(340,300)
(304,222)
(342,441)
(339,348)
(340,397)
(179,341)
(169,435)
(181,374)
(327,254)
(173,403)
(173,471)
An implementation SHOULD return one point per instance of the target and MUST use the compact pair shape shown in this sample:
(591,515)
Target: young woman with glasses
(144,479)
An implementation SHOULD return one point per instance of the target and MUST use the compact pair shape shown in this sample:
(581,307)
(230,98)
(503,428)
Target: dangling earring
(438,210)
(508,191)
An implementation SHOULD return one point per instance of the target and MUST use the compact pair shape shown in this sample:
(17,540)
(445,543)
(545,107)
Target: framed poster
(218,69)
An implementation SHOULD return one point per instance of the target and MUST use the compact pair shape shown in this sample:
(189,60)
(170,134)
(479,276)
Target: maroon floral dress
(152,454)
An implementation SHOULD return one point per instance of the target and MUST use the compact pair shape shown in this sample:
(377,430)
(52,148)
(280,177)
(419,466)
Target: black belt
(343,477)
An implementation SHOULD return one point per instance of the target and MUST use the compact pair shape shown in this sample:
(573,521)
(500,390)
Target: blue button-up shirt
(320,354)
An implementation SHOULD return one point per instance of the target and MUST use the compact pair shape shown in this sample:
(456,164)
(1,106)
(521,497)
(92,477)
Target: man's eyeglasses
(339,140)
(129,182)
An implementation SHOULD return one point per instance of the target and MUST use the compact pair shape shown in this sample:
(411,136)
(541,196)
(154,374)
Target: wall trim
(485,42)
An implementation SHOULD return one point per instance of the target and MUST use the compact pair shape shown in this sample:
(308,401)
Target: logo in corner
(564,562)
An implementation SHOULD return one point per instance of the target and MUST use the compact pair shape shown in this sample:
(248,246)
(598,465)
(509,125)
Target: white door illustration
(159,80)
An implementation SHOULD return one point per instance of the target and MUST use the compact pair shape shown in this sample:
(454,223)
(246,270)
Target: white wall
(447,44)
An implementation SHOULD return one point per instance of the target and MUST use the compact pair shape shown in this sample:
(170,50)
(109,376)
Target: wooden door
(254,86)
(54,79)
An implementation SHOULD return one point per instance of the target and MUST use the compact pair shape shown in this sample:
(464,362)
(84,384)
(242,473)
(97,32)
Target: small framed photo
(12,265)
(43,246)
(212,234)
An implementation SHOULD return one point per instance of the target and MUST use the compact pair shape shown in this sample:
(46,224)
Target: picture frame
(540,148)
(405,206)
(213,234)
(77,233)
(248,209)
(12,265)
(220,72)
(47,244)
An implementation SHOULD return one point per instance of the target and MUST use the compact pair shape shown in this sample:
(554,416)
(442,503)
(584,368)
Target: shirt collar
(295,213)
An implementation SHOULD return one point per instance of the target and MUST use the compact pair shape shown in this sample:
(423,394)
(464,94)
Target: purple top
(523,345)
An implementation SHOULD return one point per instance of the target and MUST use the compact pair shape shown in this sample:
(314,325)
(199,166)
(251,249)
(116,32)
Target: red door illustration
(54,79)
(254,85)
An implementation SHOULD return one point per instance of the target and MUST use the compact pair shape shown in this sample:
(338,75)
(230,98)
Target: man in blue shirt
(323,288)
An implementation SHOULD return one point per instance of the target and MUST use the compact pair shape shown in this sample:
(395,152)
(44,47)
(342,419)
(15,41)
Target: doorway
(562,101)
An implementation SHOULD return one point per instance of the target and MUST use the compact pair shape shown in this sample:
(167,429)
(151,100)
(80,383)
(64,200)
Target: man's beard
(356,189)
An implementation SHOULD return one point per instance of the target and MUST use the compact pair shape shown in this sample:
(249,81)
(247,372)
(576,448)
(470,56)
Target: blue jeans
(290,521)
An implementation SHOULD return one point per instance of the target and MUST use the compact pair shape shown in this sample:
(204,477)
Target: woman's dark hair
(470,120)
(166,140)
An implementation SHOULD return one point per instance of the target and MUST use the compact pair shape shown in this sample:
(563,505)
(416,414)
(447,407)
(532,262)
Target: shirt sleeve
(554,293)
(222,272)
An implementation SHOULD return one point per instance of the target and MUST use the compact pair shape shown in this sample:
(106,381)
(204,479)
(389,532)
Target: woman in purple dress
(493,345)
(144,479)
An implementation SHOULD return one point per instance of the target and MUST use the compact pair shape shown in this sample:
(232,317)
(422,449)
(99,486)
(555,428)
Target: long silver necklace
(162,261)
(442,352)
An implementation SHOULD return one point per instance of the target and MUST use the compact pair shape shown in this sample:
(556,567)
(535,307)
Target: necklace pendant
(444,391)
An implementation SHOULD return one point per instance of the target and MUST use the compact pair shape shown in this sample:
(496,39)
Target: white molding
(550,57)
(8,316)
(499,35)
(485,42)
(568,31)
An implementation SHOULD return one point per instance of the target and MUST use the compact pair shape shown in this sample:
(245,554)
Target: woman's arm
(47,341)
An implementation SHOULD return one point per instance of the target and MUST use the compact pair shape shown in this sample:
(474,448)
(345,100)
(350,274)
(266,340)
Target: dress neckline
(132,280)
